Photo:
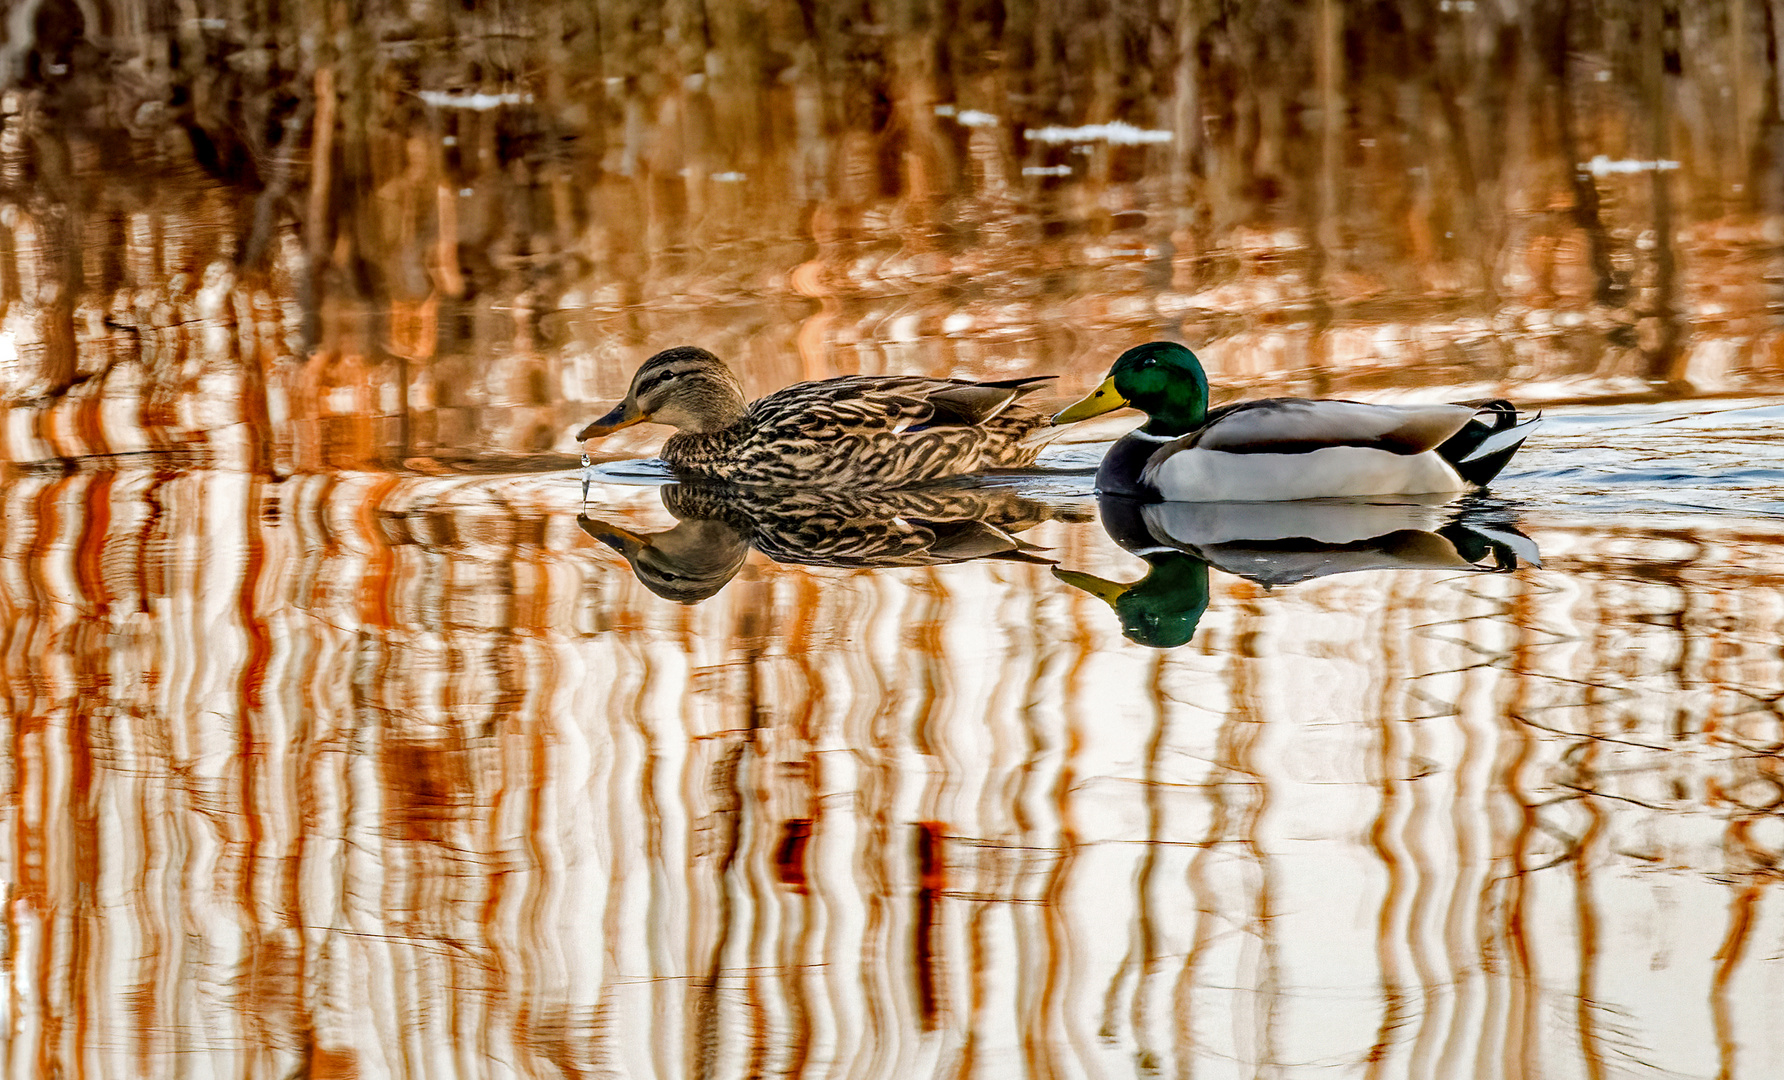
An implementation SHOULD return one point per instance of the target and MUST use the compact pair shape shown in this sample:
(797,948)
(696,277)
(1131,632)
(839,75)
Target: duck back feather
(1299,426)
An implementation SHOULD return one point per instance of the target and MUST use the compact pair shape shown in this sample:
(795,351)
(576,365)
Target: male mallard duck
(1286,448)
(868,430)
(1281,544)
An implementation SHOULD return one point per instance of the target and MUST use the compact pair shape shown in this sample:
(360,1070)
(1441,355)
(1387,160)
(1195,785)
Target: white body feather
(1196,475)
(1324,521)
(1338,422)
(1284,542)
(1202,467)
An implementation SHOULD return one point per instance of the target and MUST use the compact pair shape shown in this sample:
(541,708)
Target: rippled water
(354,731)
(413,772)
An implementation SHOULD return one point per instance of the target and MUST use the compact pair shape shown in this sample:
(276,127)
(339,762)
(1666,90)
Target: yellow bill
(1105,398)
(1103,589)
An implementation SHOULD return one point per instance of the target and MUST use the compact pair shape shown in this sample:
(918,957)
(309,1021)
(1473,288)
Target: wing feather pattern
(1298,426)
(868,429)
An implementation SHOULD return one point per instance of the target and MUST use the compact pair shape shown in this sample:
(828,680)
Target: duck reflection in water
(717,525)
(1284,543)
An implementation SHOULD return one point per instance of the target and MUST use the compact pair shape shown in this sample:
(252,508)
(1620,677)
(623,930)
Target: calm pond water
(353,730)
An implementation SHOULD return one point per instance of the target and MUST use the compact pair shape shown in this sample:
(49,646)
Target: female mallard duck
(717,525)
(1286,448)
(870,430)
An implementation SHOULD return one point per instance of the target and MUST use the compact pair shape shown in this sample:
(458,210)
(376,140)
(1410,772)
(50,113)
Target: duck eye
(659,379)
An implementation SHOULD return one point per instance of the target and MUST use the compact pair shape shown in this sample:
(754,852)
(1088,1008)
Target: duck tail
(1487,442)
(1041,436)
(974,404)
(1493,548)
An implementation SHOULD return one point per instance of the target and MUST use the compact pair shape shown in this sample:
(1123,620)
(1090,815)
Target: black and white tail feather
(1486,443)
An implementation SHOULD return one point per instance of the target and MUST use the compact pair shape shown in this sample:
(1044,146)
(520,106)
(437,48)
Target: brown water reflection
(397,776)
(338,746)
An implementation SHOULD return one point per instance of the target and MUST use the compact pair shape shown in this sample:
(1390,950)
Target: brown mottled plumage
(859,430)
(718,523)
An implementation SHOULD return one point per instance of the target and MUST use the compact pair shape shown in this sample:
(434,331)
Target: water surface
(344,740)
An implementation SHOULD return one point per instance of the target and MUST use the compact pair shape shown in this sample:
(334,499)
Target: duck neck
(1171,427)
(1178,579)
(1162,609)
(723,413)
(703,453)
(1179,407)
(711,406)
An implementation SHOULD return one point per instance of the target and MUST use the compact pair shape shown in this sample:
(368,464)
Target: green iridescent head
(1160,610)
(1160,378)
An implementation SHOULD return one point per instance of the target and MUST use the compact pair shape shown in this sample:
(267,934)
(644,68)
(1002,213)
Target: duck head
(1160,610)
(1160,378)
(685,387)
(686,564)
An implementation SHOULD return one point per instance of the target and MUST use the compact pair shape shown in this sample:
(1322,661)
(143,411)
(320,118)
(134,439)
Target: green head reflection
(1160,610)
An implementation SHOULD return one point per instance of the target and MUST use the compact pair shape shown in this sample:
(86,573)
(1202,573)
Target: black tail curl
(1492,417)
